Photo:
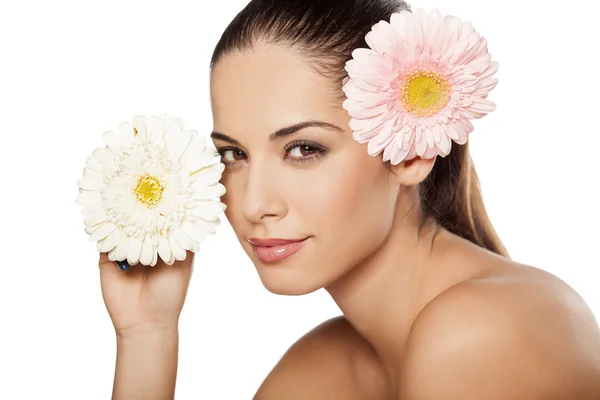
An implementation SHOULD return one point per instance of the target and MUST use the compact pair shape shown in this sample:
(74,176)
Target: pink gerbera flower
(415,90)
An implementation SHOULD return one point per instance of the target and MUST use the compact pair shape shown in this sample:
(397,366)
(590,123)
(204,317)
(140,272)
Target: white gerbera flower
(151,192)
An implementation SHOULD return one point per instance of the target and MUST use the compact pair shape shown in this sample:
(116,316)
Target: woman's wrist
(142,333)
(146,366)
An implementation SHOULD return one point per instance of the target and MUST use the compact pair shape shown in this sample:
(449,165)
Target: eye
(303,151)
(299,151)
(234,154)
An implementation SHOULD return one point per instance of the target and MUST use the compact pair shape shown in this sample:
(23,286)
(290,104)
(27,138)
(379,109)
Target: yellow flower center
(149,191)
(424,93)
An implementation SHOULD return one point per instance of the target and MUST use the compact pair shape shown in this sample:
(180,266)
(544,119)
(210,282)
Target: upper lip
(272,242)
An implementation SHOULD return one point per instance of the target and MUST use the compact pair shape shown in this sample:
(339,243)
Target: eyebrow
(283,132)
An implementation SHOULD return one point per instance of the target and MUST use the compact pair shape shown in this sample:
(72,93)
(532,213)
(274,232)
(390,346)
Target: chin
(287,282)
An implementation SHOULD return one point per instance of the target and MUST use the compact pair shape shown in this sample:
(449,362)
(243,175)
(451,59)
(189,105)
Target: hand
(145,299)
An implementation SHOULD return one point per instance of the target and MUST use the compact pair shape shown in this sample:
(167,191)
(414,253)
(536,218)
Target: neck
(383,294)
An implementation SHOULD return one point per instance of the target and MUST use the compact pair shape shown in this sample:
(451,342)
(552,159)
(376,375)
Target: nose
(262,196)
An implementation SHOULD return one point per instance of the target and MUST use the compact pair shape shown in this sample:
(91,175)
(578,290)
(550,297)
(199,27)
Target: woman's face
(316,182)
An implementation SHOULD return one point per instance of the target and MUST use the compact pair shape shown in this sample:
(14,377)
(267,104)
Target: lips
(272,242)
(273,250)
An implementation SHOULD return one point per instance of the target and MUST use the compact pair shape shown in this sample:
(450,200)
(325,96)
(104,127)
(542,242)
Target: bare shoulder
(332,361)
(519,332)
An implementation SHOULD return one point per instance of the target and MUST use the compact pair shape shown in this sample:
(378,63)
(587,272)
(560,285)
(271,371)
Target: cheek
(349,199)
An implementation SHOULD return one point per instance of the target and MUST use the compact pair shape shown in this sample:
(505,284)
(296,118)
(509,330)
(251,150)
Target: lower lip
(277,253)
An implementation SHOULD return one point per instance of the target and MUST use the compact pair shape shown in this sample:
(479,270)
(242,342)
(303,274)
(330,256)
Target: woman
(433,307)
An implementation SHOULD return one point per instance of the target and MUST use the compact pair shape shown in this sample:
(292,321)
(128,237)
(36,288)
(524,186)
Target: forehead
(268,87)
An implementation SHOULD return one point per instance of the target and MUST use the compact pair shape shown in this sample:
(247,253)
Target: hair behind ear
(451,195)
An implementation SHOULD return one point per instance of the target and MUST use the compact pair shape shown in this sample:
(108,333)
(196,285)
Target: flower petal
(147,253)
(164,249)
(89,198)
(207,210)
(140,125)
(177,143)
(182,238)
(102,232)
(111,138)
(126,134)
(201,160)
(176,249)
(209,192)
(156,126)
(104,155)
(109,242)
(134,250)
(90,183)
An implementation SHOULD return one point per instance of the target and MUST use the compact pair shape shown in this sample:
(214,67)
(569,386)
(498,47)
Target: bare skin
(426,314)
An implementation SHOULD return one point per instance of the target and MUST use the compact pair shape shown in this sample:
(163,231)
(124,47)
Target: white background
(69,70)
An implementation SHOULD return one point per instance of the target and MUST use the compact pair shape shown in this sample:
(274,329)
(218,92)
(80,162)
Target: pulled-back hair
(326,32)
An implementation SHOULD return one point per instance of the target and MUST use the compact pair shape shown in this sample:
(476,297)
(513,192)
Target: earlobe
(414,171)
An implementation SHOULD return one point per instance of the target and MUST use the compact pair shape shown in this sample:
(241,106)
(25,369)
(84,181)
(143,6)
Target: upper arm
(320,365)
(502,341)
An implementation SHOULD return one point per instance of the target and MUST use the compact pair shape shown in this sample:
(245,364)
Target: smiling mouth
(277,252)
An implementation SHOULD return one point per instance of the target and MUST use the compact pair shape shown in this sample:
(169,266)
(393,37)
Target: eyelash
(319,151)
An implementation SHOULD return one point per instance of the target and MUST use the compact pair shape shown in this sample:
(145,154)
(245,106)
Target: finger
(106,265)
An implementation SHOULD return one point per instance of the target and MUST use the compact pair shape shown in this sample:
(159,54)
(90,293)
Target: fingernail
(123,265)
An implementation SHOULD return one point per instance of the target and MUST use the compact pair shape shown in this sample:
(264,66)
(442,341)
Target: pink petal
(382,38)
(482,106)
(444,144)
(378,143)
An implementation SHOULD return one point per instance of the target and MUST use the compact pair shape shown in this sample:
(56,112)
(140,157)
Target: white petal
(207,228)
(111,138)
(182,238)
(147,251)
(206,177)
(176,249)
(90,183)
(89,198)
(120,251)
(140,124)
(92,173)
(197,146)
(208,210)
(104,155)
(110,241)
(192,231)
(94,164)
(95,217)
(177,142)
(209,192)
(156,126)
(126,134)
(154,259)
(102,232)
(171,260)
(164,250)
(201,160)
(134,250)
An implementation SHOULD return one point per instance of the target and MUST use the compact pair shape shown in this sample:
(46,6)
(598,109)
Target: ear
(414,171)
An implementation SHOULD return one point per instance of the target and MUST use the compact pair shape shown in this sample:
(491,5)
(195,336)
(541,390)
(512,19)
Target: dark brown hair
(326,32)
